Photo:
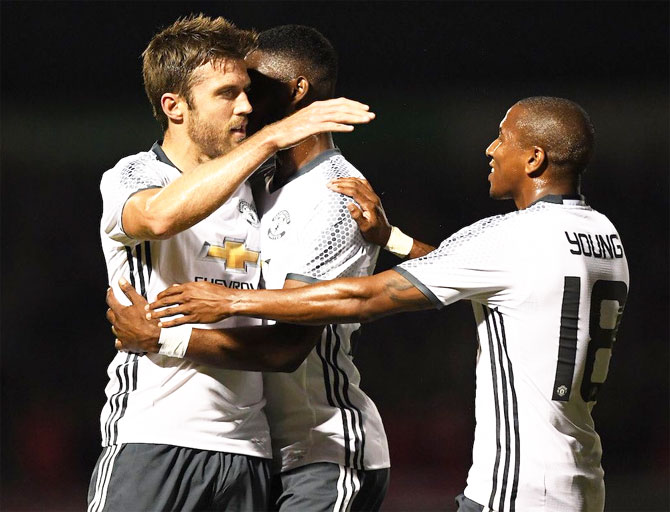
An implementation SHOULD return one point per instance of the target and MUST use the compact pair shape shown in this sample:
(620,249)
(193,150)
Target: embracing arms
(278,347)
(346,300)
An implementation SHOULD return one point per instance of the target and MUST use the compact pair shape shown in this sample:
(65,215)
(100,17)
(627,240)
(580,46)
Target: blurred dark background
(440,77)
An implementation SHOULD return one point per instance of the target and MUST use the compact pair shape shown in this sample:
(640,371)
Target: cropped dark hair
(559,126)
(176,51)
(300,50)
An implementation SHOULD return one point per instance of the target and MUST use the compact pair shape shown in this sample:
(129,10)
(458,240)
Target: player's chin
(237,136)
(495,193)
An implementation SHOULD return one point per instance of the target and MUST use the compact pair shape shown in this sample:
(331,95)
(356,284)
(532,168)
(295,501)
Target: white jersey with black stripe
(318,413)
(164,400)
(548,285)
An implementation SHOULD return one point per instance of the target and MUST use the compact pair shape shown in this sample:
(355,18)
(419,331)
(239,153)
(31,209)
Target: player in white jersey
(323,425)
(548,285)
(178,434)
(329,444)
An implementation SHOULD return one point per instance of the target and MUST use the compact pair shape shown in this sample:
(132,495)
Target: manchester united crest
(248,211)
(278,225)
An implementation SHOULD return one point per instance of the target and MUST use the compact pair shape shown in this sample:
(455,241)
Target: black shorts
(143,477)
(326,487)
(467,505)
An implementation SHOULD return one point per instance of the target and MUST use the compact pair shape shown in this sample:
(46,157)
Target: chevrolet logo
(236,256)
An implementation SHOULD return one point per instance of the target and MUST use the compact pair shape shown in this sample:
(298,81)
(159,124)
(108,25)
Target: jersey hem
(212,447)
(301,277)
(329,460)
(422,287)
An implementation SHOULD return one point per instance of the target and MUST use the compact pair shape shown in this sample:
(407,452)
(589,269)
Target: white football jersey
(548,285)
(159,399)
(318,413)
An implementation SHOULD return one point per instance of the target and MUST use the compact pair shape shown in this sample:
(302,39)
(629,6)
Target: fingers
(111,317)
(362,182)
(343,105)
(175,289)
(118,345)
(341,101)
(161,303)
(368,202)
(337,115)
(355,212)
(175,310)
(130,292)
(339,111)
(360,216)
(337,127)
(356,190)
(177,321)
(111,300)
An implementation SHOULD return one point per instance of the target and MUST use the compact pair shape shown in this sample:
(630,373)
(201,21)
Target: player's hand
(200,303)
(335,115)
(134,333)
(370,216)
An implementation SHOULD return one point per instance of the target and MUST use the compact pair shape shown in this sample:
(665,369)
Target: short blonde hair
(176,51)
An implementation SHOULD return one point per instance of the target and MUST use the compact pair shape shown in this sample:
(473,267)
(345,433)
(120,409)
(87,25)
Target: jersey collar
(158,150)
(319,159)
(570,199)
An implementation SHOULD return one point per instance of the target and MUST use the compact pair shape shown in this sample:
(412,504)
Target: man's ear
(300,88)
(536,162)
(173,106)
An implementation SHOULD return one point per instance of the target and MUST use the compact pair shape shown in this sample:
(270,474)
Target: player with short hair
(547,284)
(177,434)
(329,445)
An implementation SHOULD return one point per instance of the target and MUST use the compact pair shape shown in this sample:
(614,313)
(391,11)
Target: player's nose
(243,105)
(491,148)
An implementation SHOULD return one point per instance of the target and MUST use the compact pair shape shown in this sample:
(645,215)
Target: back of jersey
(547,285)
(545,344)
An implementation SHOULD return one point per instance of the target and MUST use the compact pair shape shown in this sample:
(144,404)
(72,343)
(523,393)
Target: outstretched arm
(279,347)
(357,299)
(160,213)
(370,215)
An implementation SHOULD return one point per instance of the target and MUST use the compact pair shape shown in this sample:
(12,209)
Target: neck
(290,160)
(181,151)
(539,189)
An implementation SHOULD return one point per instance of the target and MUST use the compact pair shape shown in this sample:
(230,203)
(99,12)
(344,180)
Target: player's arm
(372,221)
(346,300)
(279,347)
(160,213)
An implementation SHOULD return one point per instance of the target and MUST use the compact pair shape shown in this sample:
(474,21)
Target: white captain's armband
(174,340)
(399,243)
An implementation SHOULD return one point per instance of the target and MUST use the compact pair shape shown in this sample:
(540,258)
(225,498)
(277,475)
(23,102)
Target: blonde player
(177,434)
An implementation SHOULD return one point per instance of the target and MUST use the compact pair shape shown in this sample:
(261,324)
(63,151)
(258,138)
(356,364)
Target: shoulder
(601,218)
(136,171)
(337,166)
(486,227)
(315,178)
(487,238)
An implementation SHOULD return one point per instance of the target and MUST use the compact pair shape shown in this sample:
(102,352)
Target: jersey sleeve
(330,245)
(474,263)
(119,184)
